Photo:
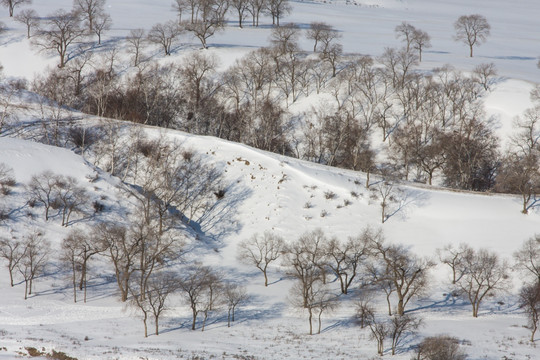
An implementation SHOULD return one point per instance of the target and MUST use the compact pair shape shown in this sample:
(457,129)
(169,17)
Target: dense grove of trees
(432,125)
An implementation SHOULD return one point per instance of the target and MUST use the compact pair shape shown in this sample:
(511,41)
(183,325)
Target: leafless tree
(402,326)
(261,251)
(197,285)
(36,255)
(529,300)
(380,329)
(154,301)
(255,7)
(12,4)
(77,250)
(42,189)
(457,259)
(420,41)
(486,274)
(235,295)
(135,39)
(30,18)
(90,11)
(102,24)
(180,6)
(13,251)
(277,9)
(364,309)
(304,262)
(204,29)
(59,31)
(345,259)
(527,258)
(165,34)
(7,179)
(407,273)
(241,6)
(484,74)
(321,32)
(70,196)
(472,30)
(123,251)
(319,300)
(405,32)
(197,71)
(389,194)
(441,347)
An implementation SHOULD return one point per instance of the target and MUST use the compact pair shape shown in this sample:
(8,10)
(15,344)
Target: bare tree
(34,260)
(345,259)
(77,250)
(319,31)
(61,29)
(472,30)
(70,196)
(389,195)
(527,258)
(30,18)
(165,34)
(204,29)
(380,329)
(441,347)
(196,289)
(197,71)
(102,24)
(277,9)
(123,251)
(486,274)
(520,169)
(405,32)
(261,251)
(7,179)
(90,11)
(12,4)
(529,300)
(241,6)
(407,273)
(420,41)
(255,7)
(180,6)
(13,251)
(402,326)
(235,295)
(319,300)
(42,189)
(457,259)
(304,261)
(135,40)
(484,74)
(153,302)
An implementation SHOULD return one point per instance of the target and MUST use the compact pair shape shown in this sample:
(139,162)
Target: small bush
(308,205)
(440,347)
(59,355)
(98,207)
(324,213)
(33,352)
(330,195)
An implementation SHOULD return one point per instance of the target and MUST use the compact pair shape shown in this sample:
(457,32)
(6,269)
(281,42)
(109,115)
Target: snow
(272,193)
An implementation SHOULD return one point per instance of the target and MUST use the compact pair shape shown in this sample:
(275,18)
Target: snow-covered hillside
(287,196)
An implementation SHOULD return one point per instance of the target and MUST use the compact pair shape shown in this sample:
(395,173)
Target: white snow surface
(271,195)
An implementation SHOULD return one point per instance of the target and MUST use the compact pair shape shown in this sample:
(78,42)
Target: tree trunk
(194,318)
(156,318)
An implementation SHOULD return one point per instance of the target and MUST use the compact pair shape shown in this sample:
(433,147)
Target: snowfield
(271,192)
